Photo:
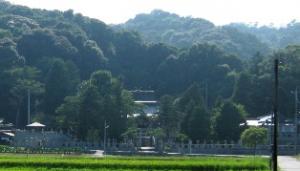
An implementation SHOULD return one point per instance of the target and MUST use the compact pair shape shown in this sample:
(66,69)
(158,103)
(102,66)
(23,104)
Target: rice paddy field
(11,162)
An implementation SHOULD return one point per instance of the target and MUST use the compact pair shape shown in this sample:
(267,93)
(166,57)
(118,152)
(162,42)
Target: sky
(220,12)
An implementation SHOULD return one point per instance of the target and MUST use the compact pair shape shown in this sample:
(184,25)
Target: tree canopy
(79,70)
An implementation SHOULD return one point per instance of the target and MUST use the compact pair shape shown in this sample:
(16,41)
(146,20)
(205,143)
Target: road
(288,163)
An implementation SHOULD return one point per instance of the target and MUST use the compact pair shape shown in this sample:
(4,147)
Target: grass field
(80,163)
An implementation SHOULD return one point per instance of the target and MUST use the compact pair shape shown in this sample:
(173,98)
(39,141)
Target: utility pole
(104,139)
(296,119)
(28,106)
(275,121)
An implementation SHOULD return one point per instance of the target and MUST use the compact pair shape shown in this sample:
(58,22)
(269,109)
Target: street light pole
(104,139)
(274,154)
(296,119)
(28,106)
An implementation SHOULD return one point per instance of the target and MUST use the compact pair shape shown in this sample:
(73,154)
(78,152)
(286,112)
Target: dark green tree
(244,90)
(254,136)
(24,83)
(68,114)
(61,81)
(228,120)
(169,118)
(99,99)
(199,124)
(196,120)
(90,112)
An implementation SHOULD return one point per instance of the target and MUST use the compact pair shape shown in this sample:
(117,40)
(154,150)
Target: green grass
(84,163)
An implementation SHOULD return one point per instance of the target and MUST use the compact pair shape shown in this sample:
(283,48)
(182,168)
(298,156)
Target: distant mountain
(161,26)
(274,37)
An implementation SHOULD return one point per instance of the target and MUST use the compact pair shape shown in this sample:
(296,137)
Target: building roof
(138,114)
(265,119)
(253,123)
(260,121)
(9,134)
(145,102)
(142,91)
(4,124)
(36,124)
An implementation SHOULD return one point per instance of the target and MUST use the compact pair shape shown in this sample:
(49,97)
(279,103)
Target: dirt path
(288,163)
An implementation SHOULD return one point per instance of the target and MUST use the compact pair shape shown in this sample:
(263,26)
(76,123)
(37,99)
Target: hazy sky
(219,12)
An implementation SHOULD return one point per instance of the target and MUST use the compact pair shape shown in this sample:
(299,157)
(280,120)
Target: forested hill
(274,37)
(78,70)
(161,26)
(53,52)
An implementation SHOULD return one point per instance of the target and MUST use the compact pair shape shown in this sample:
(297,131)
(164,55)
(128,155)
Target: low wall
(31,139)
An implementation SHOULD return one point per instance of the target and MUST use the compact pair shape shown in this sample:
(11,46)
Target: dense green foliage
(134,163)
(227,121)
(99,99)
(272,36)
(254,136)
(169,117)
(161,26)
(78,70)
(236,38)
(196,119)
